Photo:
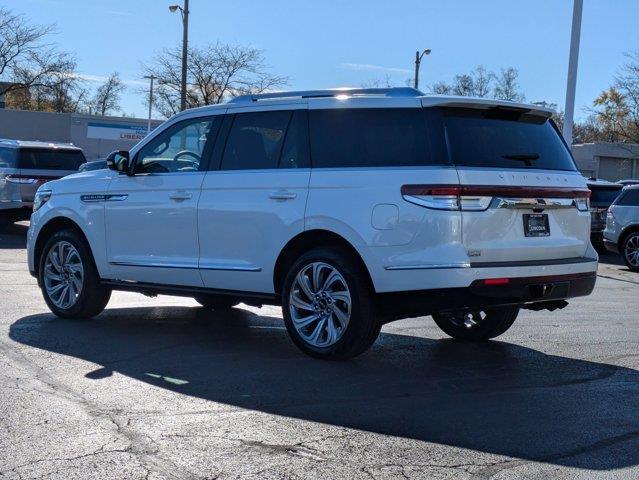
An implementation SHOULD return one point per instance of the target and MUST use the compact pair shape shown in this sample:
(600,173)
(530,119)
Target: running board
(153,289)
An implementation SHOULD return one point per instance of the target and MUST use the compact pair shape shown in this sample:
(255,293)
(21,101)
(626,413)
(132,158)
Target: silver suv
(25,166)
(622,227)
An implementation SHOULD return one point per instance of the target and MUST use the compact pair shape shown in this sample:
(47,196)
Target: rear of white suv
(348,208)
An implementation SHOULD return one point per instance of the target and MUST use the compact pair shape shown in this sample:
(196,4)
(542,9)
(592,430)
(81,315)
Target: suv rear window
(630,198)
(44,159)
(504,138)
(603,196)
(364,137)
(7,157)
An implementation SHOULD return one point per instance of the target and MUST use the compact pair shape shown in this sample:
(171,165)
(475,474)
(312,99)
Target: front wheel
(631,251)
(327,305)
(69,279)
(477,325)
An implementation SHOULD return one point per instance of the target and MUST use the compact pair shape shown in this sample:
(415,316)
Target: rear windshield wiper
(523,156)
(528,158)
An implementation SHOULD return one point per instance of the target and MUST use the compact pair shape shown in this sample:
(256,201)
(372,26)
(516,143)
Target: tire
(630,251)
(477,325)
(76,272)
(5,221)
(341,313)
(216,302)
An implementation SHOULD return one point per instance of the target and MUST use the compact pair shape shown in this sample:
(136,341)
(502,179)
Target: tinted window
(369,138)
(180,148)
(44,159)
(504,138)
(295,151)
(8,157)
(255,140)
(603,196)
(630,198)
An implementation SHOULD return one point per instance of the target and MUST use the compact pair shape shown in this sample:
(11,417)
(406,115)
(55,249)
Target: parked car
(25,166)
(348,208)
(622,227)
(603,194)
(100,164)
(628,182)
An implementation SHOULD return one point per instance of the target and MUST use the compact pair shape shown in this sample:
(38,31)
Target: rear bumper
(611,246)
(518,291)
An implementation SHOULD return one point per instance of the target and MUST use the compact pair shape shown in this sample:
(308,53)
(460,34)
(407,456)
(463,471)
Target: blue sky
(330,43)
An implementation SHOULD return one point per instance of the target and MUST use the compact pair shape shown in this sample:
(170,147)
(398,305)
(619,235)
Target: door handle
(282,195)
(180,196)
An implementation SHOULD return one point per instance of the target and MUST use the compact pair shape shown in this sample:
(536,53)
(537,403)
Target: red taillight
(497,191)
(496,281)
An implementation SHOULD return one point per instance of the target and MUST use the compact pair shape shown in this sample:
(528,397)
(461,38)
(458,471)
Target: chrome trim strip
(229,268)
(430,266)
(98,197)
(535,203)
(128,263)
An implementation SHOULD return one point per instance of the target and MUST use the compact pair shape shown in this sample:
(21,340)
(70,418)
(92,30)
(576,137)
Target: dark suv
(603,194)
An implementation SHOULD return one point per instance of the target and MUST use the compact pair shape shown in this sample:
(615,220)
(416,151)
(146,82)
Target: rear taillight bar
(479,197)
(497,191)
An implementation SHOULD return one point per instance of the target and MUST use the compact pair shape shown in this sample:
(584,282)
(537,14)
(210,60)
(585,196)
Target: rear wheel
(477,325)
(327,304)
(630,251)
(69,279)
(216,302)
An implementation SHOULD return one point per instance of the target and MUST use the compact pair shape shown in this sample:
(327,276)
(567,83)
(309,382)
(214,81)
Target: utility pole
(418,61)
(185,47)
(571,84)
(151,78)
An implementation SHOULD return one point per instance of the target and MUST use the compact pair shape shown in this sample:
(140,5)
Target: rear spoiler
(486,104)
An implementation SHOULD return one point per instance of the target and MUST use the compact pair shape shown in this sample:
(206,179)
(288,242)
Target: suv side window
(363,137)
(180,148)
(8,157)
(629,199)
(295,153)
(256,140)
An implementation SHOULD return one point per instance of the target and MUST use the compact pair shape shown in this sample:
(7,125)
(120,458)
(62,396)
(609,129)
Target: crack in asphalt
(141,446)
(618,279)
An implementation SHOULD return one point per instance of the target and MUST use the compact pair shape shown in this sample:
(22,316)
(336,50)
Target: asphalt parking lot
(159,388)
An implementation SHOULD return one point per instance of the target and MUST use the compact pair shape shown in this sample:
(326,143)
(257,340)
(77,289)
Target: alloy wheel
(320,304)
(631,251)
(63,275)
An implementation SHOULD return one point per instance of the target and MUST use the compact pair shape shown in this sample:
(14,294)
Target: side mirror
(119,161)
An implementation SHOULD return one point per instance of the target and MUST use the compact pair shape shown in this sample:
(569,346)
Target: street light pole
(185,47)
(418,61)
(571,84)
(151,78)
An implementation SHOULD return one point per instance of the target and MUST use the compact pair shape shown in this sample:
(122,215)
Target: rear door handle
(282,195)
(180,196)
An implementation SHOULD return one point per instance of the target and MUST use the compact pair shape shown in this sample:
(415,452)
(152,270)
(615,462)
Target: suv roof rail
(328,93)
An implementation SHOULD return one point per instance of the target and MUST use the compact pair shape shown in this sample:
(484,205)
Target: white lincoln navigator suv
(349,208)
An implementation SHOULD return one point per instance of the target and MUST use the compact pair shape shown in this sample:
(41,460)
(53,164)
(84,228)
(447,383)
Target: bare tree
(54,87)
(107,96)
(215,73)
(21,46)
(478,83)
(617,108)
(482,81)
(507,87)
(386,82)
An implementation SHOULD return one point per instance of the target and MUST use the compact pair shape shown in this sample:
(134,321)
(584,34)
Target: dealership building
(609,161)
(96,135)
